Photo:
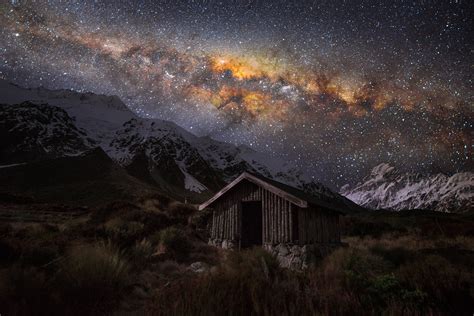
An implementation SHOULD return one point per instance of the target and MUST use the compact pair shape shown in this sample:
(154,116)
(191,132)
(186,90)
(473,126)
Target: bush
(340,284)
(449,287)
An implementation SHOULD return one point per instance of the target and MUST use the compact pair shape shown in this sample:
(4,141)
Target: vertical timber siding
(317,226)
(280,218)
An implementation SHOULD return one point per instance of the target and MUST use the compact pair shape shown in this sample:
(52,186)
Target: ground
(151,256)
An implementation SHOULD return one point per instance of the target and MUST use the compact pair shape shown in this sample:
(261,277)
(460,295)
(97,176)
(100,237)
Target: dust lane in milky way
(287,79)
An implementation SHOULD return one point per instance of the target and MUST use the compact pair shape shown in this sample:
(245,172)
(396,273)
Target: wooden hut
(256,211)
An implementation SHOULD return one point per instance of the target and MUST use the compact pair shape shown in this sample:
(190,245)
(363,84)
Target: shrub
(386,291)
(449,287)
(340,284)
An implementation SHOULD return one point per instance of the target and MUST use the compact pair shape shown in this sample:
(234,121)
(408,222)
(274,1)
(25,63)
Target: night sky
(336,87)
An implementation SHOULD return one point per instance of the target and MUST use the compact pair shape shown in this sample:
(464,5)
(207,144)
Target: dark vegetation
(150,257)
(90,179)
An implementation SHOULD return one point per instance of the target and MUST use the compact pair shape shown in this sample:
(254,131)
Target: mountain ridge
(156,151)
(387,188)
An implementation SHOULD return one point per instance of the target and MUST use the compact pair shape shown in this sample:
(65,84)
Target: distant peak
(386,188)
(381,170)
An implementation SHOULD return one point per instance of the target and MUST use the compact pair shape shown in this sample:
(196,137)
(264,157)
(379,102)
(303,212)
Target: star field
(335,87)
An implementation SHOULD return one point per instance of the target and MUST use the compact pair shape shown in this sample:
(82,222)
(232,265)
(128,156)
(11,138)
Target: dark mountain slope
(89,179)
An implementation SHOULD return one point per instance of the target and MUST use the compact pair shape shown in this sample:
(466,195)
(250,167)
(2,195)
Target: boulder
(198,267)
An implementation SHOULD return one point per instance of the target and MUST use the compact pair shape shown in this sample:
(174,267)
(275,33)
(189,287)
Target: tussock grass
(370,277)
(93,276)
(139,256)
(141,252)
(88,279)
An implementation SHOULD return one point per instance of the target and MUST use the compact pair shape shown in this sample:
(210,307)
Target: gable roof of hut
(292,194)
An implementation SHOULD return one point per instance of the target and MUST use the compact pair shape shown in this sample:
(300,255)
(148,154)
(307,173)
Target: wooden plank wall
(226,214)
(277,225)
(317,226)
(314,225)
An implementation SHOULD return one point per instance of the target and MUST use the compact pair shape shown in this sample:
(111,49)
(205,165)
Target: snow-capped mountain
(386,188)
(41,123)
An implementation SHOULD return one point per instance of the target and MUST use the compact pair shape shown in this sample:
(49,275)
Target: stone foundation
(224,243)
(289,255)
(299,257)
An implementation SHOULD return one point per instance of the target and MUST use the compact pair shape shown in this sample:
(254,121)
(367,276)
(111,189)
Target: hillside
(88,179)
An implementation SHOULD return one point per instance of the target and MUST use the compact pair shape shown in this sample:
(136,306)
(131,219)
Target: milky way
(336,87)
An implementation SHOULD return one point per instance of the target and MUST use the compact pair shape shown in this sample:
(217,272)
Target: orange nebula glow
(246,66)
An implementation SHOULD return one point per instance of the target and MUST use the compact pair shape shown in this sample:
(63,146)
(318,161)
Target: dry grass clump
(247,282)
(141,252)
(180,212)
(173,241)
(88,279)
(93,276)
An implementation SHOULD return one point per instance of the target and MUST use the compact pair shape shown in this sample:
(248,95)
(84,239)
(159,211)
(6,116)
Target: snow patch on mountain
(190,183)
(386,188)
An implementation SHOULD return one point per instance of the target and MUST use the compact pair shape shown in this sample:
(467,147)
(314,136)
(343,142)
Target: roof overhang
(247,176)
